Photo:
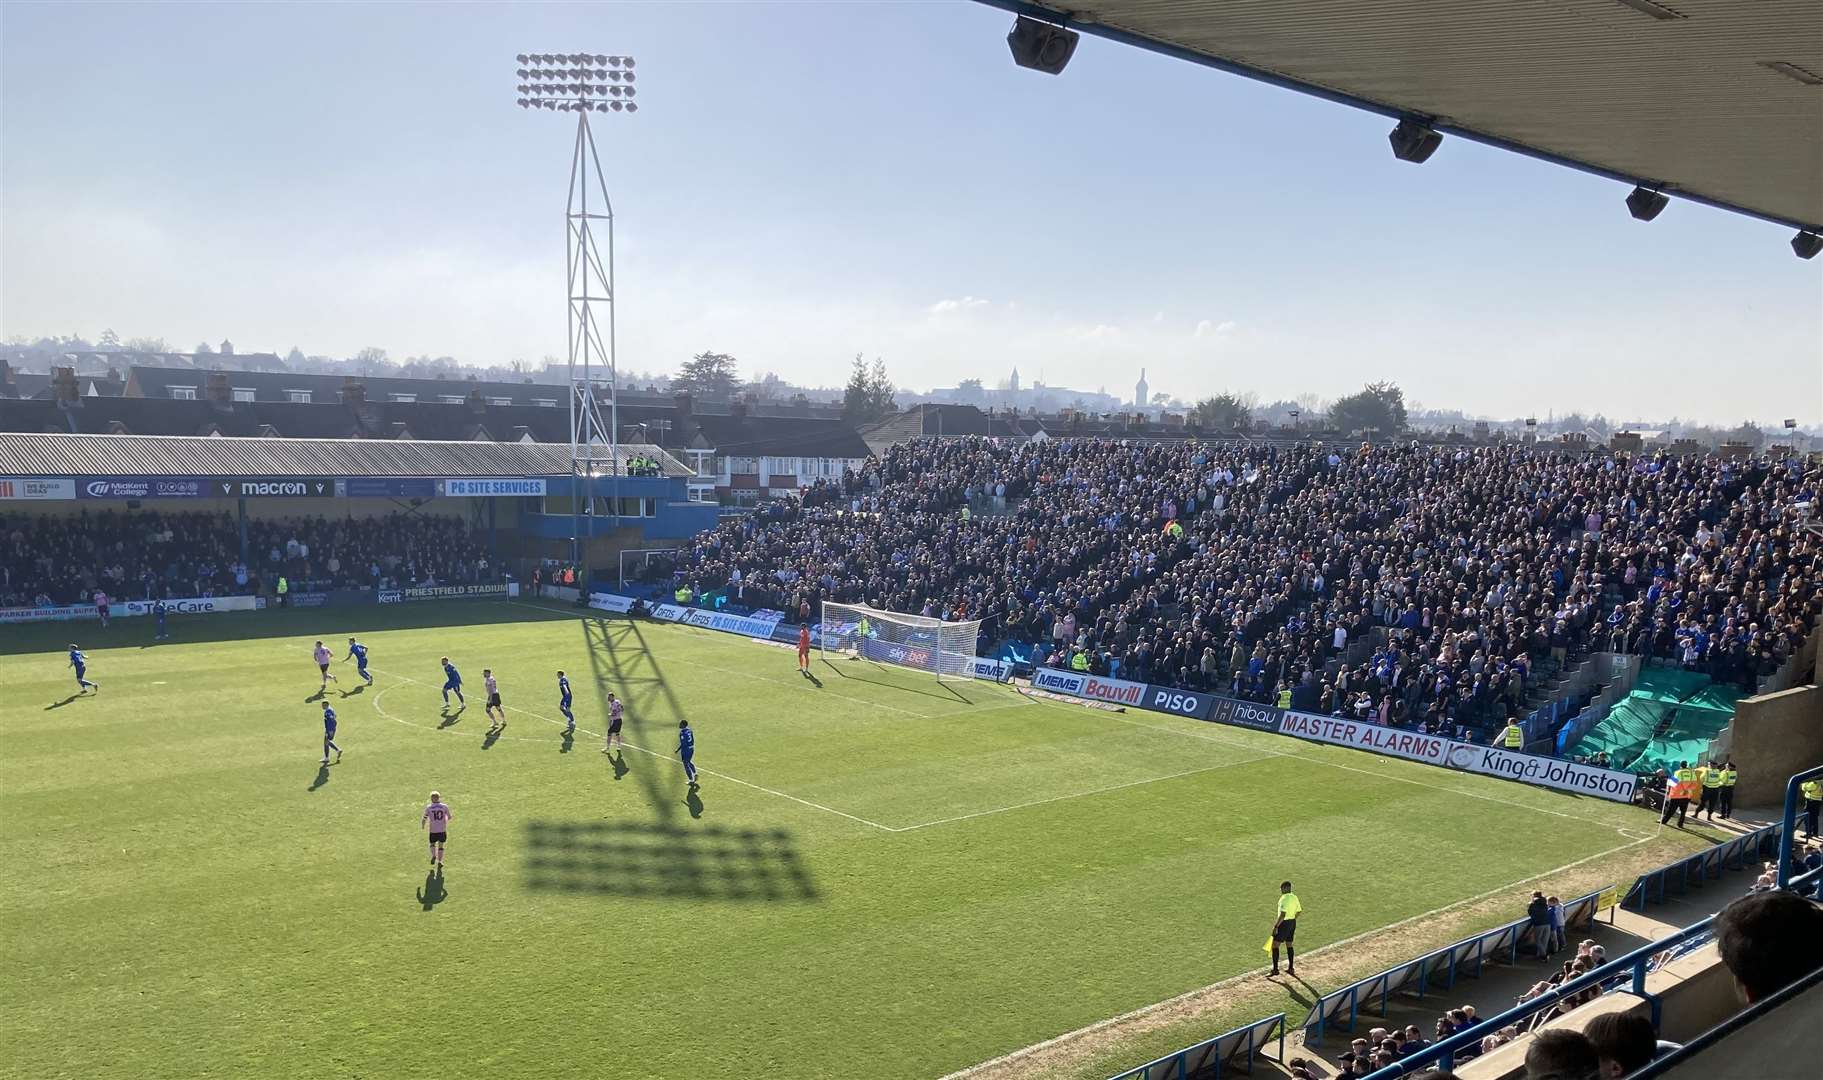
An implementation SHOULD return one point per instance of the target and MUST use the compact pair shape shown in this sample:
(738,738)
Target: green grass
(185,895)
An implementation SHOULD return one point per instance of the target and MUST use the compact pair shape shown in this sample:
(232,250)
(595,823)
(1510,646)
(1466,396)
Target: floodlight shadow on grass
(666,862)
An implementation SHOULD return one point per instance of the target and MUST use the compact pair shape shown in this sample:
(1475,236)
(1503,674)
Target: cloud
(1207,329)
(944,307)
(1099,332)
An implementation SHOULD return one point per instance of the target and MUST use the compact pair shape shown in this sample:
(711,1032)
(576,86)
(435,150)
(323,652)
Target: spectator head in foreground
(1769,940)
(1559,1054)
(1623,1041)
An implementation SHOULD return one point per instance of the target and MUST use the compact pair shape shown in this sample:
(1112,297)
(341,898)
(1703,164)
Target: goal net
(946,649)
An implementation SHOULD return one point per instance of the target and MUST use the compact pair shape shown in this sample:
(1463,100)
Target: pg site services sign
(491,488)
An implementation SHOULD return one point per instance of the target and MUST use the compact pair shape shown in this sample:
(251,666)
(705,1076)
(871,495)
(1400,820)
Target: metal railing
(1790,821)
(1709,863)
(1208,1057)
(1465,957)
(1442,1055)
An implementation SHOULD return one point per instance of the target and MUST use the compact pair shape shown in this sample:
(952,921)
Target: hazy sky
(805,181)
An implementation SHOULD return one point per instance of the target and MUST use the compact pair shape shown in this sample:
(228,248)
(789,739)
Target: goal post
(945,649)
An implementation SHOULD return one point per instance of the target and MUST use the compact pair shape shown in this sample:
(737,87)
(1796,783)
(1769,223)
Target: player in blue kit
(329,734)
(452,681)
(358,653)
(81,664)
(159,633)
(563,705)
(686,749)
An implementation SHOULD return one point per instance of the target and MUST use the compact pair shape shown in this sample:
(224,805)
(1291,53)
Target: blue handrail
(1441,1055)
(1176,1064)
(1790,819)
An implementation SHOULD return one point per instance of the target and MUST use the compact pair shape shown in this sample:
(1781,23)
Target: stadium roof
(1718,101)
(34,454)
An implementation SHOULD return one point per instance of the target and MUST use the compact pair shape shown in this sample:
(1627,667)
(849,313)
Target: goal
(947,649)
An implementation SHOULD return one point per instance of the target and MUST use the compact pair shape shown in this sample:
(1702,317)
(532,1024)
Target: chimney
(64,389)
(683,404)
(476,403)
(215,388)
(114,376)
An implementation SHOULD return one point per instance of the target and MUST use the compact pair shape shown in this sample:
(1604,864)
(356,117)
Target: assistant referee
(1284,928)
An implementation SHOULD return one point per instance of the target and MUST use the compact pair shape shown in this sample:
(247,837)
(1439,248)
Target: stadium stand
(1430,586)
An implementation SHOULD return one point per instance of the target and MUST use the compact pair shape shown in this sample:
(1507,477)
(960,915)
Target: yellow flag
(1268,946)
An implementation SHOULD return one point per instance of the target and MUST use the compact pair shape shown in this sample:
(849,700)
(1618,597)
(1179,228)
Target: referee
(1284,928)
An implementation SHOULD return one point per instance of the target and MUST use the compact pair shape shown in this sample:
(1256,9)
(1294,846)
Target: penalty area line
(651,753)
(1076,795)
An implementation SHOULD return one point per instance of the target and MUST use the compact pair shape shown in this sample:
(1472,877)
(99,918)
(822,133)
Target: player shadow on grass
(619,761)
(61,704)
(811,675)
(492,737)
(433,892)
(361,689)
(694,801)
(567,743)
(450,718)
(666,862)
(322,777)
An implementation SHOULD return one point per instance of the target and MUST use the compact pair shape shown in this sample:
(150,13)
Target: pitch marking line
(641,749)
(784,794)
(1099,1025)
(1077,795)
(1366,772)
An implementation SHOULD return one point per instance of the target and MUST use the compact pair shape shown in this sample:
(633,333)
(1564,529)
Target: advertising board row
(772,627)
(186,605)
(445,592)
(1337,731)
(262,487)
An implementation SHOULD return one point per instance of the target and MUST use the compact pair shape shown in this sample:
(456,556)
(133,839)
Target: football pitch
(880,876)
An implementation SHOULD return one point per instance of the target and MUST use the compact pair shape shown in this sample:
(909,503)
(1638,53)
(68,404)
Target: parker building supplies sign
(492,489)
(33,487)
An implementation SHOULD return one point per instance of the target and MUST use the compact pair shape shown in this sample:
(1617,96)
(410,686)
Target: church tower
(1141,392)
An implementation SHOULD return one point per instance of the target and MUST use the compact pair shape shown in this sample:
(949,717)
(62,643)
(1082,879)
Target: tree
(969,386)
(855,399)
(203,347)
(147,344)
(1749,433)
(707,374)
(110,341)
(880,391)
(295,359)
(1379,407)
(768,387)
(370,358)
(1223,412)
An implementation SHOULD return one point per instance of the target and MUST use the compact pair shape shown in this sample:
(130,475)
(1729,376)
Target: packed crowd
(65,559)
(1414,585)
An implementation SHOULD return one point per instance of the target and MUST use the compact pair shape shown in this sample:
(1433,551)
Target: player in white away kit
(436,818)
(494,708)
(615,710)
(323,656)
(101,607)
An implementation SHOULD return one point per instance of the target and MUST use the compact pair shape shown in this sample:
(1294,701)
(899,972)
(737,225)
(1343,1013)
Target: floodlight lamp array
(577,82)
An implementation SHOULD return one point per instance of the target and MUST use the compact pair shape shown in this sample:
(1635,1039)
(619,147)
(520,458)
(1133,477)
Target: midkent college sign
(1338,731)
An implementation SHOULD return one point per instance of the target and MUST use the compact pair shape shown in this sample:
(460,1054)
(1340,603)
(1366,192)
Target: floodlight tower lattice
(585,83)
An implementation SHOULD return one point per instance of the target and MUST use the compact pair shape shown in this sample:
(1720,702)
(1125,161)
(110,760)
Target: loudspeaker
(1041,46)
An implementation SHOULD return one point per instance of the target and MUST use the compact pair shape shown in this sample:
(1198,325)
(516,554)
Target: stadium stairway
(1501,985)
